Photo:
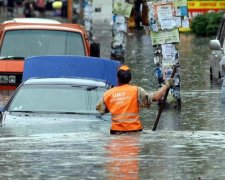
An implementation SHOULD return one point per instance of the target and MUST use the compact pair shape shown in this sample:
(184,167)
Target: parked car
(59,92)
(25,37)
(217,47)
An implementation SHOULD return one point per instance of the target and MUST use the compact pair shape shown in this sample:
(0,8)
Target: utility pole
(81,13)
(70,10)
(121,12)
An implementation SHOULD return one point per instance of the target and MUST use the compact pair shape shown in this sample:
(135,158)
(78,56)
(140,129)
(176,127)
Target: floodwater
(188,143)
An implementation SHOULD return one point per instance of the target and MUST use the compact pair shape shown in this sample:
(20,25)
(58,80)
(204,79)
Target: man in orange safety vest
(124,102)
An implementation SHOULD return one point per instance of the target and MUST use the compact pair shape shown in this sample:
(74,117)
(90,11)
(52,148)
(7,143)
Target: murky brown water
(188,144)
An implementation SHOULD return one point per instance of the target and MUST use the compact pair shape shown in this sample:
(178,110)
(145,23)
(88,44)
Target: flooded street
(188,143)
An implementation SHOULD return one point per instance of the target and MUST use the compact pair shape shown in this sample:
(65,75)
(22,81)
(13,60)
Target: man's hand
(170,83)
(100,107)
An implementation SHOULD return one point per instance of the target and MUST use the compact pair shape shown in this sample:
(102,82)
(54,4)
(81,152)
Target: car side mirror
(215,45)
(95,49)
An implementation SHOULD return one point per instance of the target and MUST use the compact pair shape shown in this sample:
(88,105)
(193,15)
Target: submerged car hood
(35,123)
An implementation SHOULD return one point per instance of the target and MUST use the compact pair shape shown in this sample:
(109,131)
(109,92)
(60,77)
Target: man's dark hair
(124,77)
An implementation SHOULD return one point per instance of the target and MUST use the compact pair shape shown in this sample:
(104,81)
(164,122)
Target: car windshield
(25,43)
(56,98)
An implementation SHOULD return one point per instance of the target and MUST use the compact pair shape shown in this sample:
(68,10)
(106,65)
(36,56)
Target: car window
(55,98)
(25,43)
(221,32)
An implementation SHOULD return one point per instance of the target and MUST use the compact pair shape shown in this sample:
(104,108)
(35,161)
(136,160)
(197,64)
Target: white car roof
(66,81)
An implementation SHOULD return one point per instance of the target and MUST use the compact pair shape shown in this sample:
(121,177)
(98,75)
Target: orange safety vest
(122,102)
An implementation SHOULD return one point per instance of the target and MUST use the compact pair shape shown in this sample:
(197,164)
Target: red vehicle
(25,37)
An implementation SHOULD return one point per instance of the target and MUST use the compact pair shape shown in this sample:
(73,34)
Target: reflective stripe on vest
(126,117)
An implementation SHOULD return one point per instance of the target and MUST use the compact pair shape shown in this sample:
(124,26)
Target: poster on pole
(122,8)
(180,3)
(164,14)
(165,37)
(166,17)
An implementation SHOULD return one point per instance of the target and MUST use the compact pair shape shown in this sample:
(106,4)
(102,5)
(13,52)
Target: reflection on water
(188,143)
(122,153)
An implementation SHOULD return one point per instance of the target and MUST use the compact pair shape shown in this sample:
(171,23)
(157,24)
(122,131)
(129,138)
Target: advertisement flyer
(121,8)
(164,37)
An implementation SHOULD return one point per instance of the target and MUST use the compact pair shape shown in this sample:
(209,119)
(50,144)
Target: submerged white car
(52,93)
(45,99)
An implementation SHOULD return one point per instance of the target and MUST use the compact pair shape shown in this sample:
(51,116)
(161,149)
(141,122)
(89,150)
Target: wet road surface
(188,143)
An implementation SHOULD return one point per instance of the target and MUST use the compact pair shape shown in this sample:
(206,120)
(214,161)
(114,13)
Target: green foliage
(206,24)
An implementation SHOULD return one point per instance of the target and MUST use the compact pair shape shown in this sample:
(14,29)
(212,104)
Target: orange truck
(25,37)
